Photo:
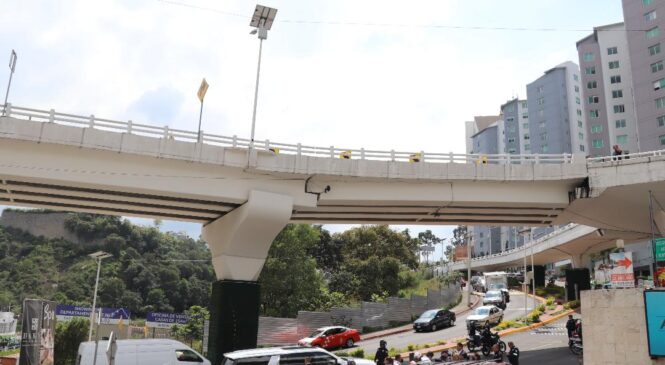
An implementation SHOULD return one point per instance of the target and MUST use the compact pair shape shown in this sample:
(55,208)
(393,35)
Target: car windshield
(482,311)
(498,286)
(316,334)
(493,294)
(428,314)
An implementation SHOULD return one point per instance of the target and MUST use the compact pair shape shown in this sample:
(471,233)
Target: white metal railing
(92,121)
(527,245)
(623,157)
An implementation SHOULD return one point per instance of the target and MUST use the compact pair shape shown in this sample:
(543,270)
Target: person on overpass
(513,354)
(381,353)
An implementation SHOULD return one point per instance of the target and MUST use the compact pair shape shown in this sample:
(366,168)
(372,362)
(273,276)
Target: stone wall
(614,327)
(47,224)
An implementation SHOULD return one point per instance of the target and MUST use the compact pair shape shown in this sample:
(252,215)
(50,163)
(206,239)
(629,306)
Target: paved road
(402,340)
(547,345)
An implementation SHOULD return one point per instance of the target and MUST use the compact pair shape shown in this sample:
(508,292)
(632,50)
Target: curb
(372,336)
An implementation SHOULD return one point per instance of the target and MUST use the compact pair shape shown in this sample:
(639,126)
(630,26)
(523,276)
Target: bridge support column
(239,243)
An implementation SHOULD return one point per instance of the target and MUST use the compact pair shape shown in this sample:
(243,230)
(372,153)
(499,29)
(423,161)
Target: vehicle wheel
(471,347)
(502,346)
(433,327)
(500,320)
(486,351)
(576,350)
(349,343)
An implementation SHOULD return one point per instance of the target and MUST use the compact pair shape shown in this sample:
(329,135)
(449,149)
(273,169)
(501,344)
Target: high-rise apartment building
(515,127)
(607,89)
(556,119)
(645,24)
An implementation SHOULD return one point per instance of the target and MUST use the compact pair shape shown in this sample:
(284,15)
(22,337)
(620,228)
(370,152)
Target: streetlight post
(261,20)
(468,271)
(12,67)
(99,256)
(203,89)
(523,233)
(443,248)
(533,272)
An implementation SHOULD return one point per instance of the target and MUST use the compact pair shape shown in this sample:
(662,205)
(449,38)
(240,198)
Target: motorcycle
(484,343)
(575,345)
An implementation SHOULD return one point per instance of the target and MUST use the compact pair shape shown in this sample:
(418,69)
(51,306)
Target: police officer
(570,326)
(381,353)
(513,354)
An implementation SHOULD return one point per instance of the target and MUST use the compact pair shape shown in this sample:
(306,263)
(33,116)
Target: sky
(378,74)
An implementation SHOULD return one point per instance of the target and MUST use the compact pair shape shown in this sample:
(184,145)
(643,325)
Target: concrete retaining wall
(614,327)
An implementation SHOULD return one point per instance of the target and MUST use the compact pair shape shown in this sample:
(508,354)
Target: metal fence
(368,316)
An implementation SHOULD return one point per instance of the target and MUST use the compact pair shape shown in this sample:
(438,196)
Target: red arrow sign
(625,262)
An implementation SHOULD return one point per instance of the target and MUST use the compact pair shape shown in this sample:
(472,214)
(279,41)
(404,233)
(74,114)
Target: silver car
(487,314)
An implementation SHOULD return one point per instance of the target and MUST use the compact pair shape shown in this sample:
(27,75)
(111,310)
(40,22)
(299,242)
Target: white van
(141,352)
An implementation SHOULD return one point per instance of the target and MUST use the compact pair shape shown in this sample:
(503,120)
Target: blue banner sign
(654,306)
(109,315)
(165,320)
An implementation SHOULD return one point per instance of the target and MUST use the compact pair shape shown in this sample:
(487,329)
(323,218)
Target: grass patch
(10,352)
(509,324)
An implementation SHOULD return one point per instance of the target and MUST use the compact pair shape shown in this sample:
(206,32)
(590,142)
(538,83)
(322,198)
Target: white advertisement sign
(621,270)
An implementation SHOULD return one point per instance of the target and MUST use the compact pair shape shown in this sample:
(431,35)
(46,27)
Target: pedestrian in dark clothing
(617,151)
(381,353)
(570,326)
(513,354)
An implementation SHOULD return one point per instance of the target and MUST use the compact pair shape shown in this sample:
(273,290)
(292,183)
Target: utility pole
(12,67)
(443,249)
(654,267)
(468,270)
(533,272)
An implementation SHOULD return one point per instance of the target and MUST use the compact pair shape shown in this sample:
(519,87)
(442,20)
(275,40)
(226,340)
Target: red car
(331,337)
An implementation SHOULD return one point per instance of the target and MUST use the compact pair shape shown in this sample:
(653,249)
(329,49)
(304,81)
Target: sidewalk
(460,309)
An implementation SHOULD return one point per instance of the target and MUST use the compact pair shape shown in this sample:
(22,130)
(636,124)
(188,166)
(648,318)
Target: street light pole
(533,272)
(12,67)
(468,271)
(443,246)
(256,89)
(99,256)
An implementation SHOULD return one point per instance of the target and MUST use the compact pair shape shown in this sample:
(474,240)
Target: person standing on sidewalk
(513,354)
(570,326)
(381,353)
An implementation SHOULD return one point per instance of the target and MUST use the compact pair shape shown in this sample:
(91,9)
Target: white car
(495,297)
(289,355)
(484,315)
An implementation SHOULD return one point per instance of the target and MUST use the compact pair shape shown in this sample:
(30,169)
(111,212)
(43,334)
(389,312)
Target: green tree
(289,279)
(68,336)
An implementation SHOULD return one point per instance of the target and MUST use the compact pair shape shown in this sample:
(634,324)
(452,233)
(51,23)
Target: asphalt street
(400,341)
(547,345)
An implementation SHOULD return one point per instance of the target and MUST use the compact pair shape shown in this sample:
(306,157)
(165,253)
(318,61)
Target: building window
(525,116)
(540,89)
(617,94)
(593,99)
(541,113)
(512,150)
(582,147)
(654,50)
(581,136)
(597,143)
(511,140)
(658,66)
(615,79)
(647,2)
(577,100)
(612,50)
(589,56)
(579,112)
(662,139)
(619,109)
(660,103)
(661,121)
(543,136)
(542,124)
(577,89)
(526,137)
(541,101)
(524,105)
(613,64)
(622,139)
(598,128)
(591,85)
(594,113)
(652,33)
(525,126)
(579,123)
(545,148)
(590,70)
(659,84)
(511,119)
(621,123)
(527,147)
(575,77)
(650,16)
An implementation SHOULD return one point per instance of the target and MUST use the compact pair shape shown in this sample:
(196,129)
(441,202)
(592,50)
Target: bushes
(541,308)
(572,304)
(534,316)
(509,324)
(359,353)
(549,301)
(551,290)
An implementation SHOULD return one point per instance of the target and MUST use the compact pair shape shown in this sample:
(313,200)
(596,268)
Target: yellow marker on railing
(482,160)
(274,150)
(346,155)
(416,157)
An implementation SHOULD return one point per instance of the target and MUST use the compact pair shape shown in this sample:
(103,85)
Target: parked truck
(497,280)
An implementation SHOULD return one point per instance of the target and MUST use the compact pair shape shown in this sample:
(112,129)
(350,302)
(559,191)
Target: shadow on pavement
(551,356)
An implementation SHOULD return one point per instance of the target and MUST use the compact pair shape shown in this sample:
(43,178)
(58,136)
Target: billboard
(460,252)
(654,309)
(38,331)
(164,320)
(621,270)
(109,315)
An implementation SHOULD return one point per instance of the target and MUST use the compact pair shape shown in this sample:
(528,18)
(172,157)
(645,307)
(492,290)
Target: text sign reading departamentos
(164,320)
(654,307)
(109,315)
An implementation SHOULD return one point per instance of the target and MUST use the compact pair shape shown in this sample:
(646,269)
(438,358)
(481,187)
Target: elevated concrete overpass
(245,196)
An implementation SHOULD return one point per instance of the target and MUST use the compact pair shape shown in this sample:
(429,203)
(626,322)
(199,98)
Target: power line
(398,25)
